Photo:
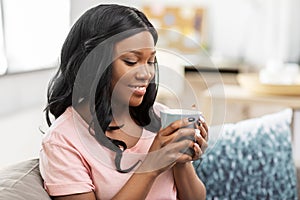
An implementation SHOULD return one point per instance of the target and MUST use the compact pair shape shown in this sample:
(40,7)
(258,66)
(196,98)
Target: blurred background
(205,43)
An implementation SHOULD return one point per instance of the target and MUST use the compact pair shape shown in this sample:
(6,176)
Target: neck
(120,113)
(120,109)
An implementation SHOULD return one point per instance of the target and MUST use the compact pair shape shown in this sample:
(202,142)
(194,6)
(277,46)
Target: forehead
(142,40)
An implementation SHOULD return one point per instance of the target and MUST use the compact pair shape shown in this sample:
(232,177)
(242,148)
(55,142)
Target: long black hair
(85,71)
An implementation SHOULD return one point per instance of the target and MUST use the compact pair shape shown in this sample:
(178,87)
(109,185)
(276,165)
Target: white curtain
(293,53)
(256,30)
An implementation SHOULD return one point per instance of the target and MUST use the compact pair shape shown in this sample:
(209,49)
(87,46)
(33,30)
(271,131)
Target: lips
(138,89)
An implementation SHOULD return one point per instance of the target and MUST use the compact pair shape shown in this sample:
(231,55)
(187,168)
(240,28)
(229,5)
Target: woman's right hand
(168,147)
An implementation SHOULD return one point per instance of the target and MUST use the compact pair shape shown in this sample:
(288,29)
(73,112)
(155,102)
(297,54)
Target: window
(32,33)
(3,64)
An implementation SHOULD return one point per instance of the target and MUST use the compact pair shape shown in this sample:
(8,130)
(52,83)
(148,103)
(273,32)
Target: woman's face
(133,68)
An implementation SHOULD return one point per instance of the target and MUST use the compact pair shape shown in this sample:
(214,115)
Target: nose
(144,73)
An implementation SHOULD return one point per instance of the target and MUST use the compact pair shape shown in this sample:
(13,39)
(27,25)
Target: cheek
(120,80)
(153,73)
(117,73)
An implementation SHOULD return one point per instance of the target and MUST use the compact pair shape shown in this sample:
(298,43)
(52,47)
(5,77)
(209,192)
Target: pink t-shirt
(72,161)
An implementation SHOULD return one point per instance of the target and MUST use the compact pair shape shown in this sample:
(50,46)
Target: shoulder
(63,130)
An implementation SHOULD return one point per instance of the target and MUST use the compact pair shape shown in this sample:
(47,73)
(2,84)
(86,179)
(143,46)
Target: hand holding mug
(197,123)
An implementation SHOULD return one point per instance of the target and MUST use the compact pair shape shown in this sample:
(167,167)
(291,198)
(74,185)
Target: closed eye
(152,60)
(151,63)
(129,63)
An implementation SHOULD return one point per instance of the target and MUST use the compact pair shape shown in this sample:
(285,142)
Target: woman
(106,141)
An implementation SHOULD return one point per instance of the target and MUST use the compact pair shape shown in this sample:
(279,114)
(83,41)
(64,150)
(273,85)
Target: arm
(83,196)
(163,154)
(137,187)
(188,185)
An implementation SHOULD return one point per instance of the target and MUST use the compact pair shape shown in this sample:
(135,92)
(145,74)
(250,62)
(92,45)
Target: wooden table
(217,97)
(224,94)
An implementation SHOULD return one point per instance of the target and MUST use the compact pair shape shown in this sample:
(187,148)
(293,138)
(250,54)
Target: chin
(135,102)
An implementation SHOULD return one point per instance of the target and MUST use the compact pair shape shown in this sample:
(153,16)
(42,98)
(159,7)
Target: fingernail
(197,132)
(196,145)
(202,118)
(191,119)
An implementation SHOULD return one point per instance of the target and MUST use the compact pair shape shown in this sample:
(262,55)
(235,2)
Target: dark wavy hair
(85,71)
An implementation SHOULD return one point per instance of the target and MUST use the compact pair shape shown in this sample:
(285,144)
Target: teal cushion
(251,159)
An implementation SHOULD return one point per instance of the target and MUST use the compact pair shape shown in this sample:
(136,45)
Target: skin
(134,66)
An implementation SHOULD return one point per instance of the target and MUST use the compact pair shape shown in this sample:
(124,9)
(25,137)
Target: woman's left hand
(201,137)
(188,185)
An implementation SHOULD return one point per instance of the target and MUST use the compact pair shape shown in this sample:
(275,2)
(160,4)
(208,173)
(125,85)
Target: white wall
(19,91)
(23,98)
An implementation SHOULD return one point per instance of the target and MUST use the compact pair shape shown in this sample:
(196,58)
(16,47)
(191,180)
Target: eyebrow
(140,53)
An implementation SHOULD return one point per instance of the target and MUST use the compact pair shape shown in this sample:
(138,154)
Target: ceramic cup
(170,115)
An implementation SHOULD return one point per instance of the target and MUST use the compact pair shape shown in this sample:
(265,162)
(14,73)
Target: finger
(198,151)
(200,140)
(185,146)
(203,122)
(204,146)
(202,143)
(174,126)
(199,135)
(203,128)
(184,133)
(183,158)
(186,154)
(178,135)
(203,132)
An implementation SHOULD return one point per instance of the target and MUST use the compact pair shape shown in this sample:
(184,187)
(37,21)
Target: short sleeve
(64,170)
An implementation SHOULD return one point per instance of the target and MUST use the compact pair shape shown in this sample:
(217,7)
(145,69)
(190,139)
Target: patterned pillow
(251,159)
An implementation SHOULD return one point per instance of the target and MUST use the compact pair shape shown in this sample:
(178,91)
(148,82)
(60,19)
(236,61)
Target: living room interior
(240,63)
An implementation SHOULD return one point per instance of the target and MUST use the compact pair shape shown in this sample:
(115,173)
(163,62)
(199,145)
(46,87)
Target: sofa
(251,159)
